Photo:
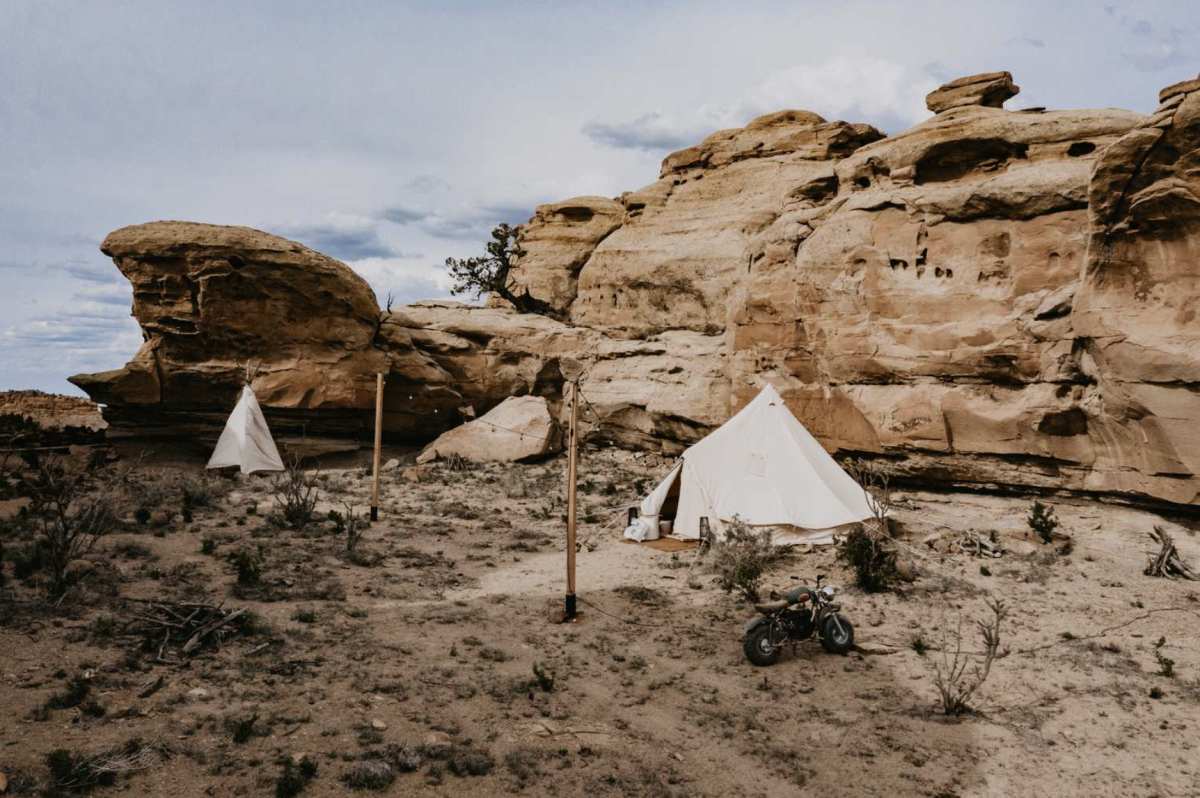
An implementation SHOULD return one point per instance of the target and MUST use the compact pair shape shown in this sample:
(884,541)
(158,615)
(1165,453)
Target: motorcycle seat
(771,606)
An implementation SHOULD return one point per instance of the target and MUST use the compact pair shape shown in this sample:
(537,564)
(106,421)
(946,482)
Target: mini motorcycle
(807,611)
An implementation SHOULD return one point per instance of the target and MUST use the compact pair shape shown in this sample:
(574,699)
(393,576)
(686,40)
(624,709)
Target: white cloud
(879,91)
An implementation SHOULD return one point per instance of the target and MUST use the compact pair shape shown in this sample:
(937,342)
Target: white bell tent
(764,467)
(246,441)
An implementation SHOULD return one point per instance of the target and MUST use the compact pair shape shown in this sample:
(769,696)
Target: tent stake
(378,442)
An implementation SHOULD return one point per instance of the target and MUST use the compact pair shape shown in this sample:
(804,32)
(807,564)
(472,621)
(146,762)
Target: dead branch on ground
(182,628)
(1167,563)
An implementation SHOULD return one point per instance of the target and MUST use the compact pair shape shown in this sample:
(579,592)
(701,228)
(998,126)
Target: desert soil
(430,637)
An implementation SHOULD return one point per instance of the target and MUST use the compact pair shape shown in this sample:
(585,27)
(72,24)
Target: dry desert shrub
(296,495)
(959,674)
(75,505)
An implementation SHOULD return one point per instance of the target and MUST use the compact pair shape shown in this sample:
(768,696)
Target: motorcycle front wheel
(759,648)
(837,636)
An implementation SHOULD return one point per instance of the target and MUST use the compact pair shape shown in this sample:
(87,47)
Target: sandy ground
(432,636)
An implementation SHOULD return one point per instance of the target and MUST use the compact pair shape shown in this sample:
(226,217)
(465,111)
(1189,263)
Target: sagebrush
(741,557)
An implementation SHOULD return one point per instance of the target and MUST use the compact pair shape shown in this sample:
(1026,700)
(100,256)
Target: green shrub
(295,777)
(1166,665)
(873,562)
(543,678)
(1041,520)
(470,762)
(72,695)
(741,558)
(249,567)
(296,494)
(71,772)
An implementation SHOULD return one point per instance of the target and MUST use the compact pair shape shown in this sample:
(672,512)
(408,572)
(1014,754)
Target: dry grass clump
(369,775)
(72,772)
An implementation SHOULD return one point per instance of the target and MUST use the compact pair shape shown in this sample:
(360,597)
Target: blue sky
(392,135)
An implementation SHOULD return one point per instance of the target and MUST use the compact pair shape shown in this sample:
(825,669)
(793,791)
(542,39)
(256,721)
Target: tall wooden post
(569,610)
(378,444)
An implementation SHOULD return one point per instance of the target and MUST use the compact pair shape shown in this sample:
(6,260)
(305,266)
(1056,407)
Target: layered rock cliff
(990,298)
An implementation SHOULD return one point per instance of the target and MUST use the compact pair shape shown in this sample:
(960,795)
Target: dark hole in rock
(953,160)
(1064,424)
(1080,148)
(862,182)
(577,214)
(894,262)
(997,245)
(821,190)
(949,272)
(937,272)
(236,261)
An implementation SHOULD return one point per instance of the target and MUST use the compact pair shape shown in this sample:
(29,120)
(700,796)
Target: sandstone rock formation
(661,392)
(519,428)
(992,298)
(683,241)
(211,299)
(991,89)
(52,411)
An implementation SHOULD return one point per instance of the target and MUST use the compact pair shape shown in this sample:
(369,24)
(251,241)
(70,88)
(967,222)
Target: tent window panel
(756,464)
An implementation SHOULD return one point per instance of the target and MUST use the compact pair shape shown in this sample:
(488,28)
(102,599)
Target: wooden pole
(571,474)
(378,444)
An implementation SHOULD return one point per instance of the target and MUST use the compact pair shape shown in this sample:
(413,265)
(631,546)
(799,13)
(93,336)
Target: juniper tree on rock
(491,273)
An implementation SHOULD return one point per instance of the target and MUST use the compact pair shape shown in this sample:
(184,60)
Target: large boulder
(519,428)
(990,89)
(925,310)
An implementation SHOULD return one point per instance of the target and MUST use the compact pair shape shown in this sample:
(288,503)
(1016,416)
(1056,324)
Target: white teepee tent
(246,441)
(764,467)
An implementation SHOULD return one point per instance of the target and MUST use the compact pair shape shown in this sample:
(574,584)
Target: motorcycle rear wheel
(758,646)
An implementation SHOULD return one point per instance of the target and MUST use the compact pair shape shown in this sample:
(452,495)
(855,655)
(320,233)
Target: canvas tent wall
(246,441)
(764,467)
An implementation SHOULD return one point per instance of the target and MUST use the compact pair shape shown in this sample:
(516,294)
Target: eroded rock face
(559,240)
(1135,316)
(661,393)
(671,262)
